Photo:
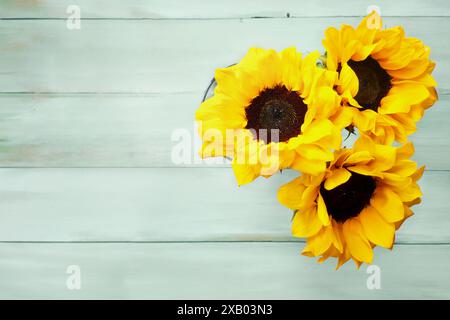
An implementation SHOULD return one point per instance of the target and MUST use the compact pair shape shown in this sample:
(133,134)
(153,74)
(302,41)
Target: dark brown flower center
(276,109)
(349,199)
(374,82)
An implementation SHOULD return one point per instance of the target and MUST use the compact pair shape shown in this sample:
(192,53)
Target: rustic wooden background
(86,177)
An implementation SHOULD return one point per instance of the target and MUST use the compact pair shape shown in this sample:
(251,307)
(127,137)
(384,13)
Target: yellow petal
(396,181)
(228,85)
(322,211)
(404,168)
(304,165)
(404,121)
(409,193)
(349,80)
(418,174)
(385,157)
(357,243)
(363,52)
(342,259)
(364,170)
(408,213)
(365,120)
(336,178)
(317,130)
(399,59)
(377,230)
(405,151)
(343,117)
(315,152)
(402,97)
(388,204)
(319,243)
(336,237)
(331,43)
(340,156)
(309,196)
(414,69)
(306,223)
(244,173)
(290,194)
(360,157)
(349,42)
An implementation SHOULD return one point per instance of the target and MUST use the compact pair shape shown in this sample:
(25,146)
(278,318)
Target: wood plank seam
(301,241)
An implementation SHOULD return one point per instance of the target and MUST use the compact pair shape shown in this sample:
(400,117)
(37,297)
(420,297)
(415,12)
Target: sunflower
(384,77)
(358,203)
(272,110)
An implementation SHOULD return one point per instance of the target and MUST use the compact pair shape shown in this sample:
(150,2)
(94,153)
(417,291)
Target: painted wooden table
(87,120)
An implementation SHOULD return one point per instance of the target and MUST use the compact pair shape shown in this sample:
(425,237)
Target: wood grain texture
(172,205)
(202,9)
(166,55)
(215,271)
(86,118)
(130,130)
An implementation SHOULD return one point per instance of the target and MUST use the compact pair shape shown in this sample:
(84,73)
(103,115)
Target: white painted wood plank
(94,130)
(215,271)
(157,9)
(165,55)
(136,131)
(172,205)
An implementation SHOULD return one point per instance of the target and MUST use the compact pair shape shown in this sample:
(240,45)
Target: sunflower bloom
(358,203)
(384,77)
(272,110)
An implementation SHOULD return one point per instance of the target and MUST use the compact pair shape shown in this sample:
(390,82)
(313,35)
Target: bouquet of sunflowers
(279,110)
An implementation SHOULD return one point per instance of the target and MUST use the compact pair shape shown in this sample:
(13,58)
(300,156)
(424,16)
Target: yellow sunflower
(271,111)
(384,77)
(357,204)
